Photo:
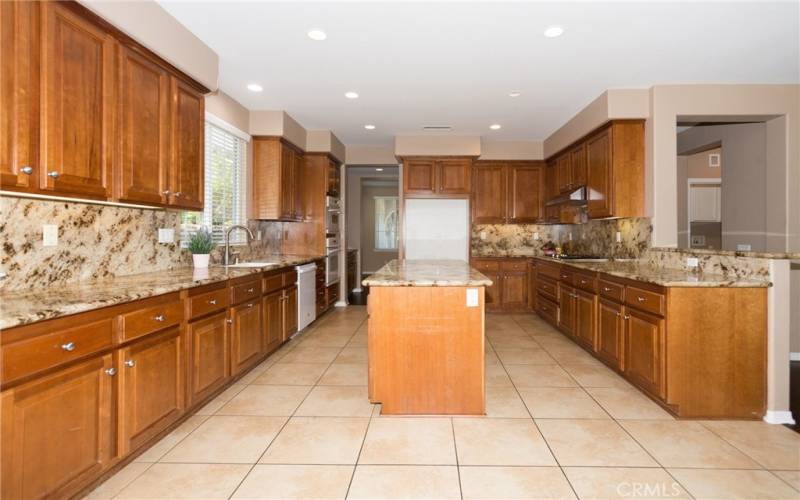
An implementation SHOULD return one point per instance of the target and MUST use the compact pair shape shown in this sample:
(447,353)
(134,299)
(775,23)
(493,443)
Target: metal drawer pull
(251,290)
(250,304)
(212,301)
(69,346)
(229,321)
(641,299)
(583,282)
(627,316)
(166,193)
(26,170)
(130,363)
(178,194)
(159,317)
(53,174)
(606,289)
(617,313)
(111,371)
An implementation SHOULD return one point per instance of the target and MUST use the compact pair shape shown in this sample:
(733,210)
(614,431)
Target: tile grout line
(458,465)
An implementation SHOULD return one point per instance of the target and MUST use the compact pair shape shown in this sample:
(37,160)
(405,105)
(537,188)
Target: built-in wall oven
(331,260)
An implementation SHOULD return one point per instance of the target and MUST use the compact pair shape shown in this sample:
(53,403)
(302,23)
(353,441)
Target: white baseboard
(778,417)
(340,303)
(794,356)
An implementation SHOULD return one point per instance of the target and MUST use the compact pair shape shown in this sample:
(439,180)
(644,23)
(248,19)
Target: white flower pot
(200,259)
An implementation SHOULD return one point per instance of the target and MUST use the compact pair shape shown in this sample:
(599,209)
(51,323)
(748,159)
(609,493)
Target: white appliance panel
(306,295)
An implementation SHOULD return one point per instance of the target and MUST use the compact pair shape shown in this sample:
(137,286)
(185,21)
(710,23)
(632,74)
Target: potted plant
(201,244)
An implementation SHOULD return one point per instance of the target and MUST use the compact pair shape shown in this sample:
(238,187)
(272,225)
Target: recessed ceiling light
(379,170)
(496,126)
(254,87)
(351,95)
(369,127)
(553,31)
(317,35)
(514,93)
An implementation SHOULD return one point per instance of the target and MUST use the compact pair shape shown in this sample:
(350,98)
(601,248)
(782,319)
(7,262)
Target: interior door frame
(689,182)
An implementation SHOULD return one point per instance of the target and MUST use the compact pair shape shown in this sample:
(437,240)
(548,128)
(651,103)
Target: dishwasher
(306,295)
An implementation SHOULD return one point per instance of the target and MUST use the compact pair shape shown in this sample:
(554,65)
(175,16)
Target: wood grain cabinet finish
(453,176)
(246,336)
(515,290)
(188,122)
(273,320)
(19,95)
(419,177)
(644,351)
(277,180)
(290,312)
(525,193)
(507,192)
(437,177)
(151,387)
(57,431)
(566,302)
(564,173)
(510,283)
(210,358)
(585,318)
(77,85)
(488,204)
(610,334)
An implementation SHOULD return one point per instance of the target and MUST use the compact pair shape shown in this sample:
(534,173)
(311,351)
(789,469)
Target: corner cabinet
(507,192)
(437,177)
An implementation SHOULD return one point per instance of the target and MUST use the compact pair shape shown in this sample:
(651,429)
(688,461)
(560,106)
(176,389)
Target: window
(225,192)
(386,223)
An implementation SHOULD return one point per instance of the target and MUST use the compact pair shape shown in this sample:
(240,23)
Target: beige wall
(227,109)
(325,141)
(371,259)
(457,145)
(512,150)
(149,24)
(370,155)
(695,166)
(266,122)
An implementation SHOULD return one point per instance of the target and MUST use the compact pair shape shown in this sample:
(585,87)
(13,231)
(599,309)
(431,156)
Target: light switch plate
(258,235)
(49,235)
(744,247)
(691,262)
(536,236)
(619,237)
(166,235)
(483,235)
(472,297)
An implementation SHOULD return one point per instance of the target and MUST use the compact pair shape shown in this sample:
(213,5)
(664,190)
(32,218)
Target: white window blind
(386,223)
(225,190)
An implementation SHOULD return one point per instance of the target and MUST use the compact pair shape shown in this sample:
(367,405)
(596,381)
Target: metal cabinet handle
(54,174)
(627,316)
(212,301)
(159,317)
(69,346)
(583,282)
(229,321)
(641,299)
(606,289)
(250,304)
(166,193)
(178,194)
(130,363)
(251,290)
(26,170)
(617,313)
(111,371)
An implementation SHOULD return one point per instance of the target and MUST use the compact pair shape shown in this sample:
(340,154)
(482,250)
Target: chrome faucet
(228,239)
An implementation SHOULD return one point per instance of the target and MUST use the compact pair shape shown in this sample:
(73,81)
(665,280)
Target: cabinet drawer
(566,275)
(548,310)
(272,283)
(548,288)
(152,319)
(289,278)
(645,300)
(549,269)
(486,265)
(205,303)
(245,291)
(609,290)
(585,282)
(515,265)
(40,353)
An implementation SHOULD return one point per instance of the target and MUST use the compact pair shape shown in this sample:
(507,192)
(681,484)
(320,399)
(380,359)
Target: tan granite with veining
(25,307)
(641,271)
(427,273)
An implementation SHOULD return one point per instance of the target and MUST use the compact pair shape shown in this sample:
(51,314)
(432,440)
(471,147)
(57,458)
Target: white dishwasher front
(306,295)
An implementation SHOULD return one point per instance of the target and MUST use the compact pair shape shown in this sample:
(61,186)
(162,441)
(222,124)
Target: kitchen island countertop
(427,273)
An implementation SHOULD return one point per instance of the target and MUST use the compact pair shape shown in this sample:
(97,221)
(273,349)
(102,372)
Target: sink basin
(253,264)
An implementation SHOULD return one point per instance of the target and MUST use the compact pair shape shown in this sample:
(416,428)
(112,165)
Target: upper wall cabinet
(87,112)
(277,167)
(507,192)
(436,177)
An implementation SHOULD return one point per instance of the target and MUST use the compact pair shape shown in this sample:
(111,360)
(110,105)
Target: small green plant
(201,242)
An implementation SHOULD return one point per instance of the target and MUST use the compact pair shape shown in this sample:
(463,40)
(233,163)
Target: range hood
(574,198)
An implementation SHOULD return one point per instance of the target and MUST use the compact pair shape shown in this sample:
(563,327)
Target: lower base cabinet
(566,317)
(246,341)
(290,312)
(610,334)
(585,313)
(210,359)
(644,351)
(57,430)
(273,320)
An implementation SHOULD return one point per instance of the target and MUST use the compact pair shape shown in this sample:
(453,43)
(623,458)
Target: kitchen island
(426,338)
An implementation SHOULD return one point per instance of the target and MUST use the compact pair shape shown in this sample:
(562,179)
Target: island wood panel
(717,336)
(426,350)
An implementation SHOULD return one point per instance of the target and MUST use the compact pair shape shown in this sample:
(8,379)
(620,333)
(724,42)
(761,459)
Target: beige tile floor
(559,424)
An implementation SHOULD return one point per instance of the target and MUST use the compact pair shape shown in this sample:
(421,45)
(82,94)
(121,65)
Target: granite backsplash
(597,237)
(97,241)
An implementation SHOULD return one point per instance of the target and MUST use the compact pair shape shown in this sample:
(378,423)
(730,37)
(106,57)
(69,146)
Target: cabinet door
(210,360)
(287,207)
(273,320)
(585,318)
(453,176)
(297,187)
(525,193)
(188,138)
(551,180)
(419,177)
(600,175)
(57,431)
(77,82)
(532,285)
(493,293)
(151,393)
(246,341)
(564,172)
(566,317)
(644,351)
(19,95)
(488,193)
(332,176)
(290,312)
(144,129)
(577,163)
(610,334)
(515,290)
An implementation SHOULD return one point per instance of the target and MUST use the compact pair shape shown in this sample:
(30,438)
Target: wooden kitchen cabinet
(615,166)
(610,334)
(507,192)
(585,318)
(644,351)
(290,312)
(563,173)
(273,320)
(510,283)
(493,292)
(246,335)
(515,290)
(19,95)
(276,179)
(77,98)
(566,302)
(151,387)
(144,108)
(210,357)
(437,177)
(577,165)
(525,193)
(57,430)
(488,204)
(187,172)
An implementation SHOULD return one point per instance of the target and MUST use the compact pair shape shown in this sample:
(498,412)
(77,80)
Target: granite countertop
(732,253)
(427,273)
(24,306)
(639,271)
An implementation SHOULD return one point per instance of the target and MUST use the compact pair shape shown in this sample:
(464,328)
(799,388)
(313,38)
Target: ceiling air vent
(437,127)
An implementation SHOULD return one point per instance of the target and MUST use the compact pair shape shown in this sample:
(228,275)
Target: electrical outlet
(483,235)
(570,236)
(258,235)
(692,262)
(536,236)
(618,236)
(166,235)
(744,247)
(472,297)
(49,235)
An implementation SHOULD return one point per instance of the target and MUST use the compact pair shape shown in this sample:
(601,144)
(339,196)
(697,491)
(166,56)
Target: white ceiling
(454,63)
